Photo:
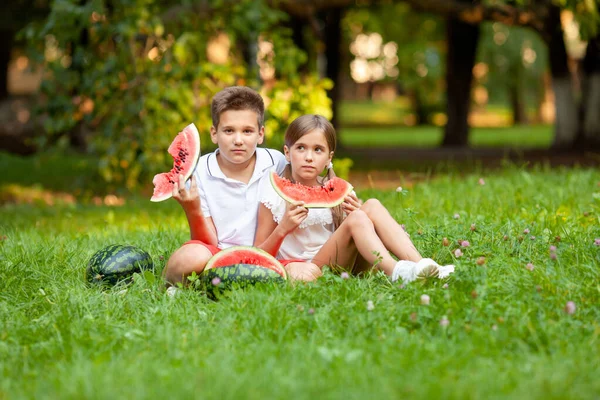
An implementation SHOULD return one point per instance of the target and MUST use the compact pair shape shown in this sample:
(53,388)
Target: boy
(221,204)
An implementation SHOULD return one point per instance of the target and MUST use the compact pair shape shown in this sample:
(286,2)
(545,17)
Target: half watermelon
(331,194)
(240,267)
(185,150)
(245,255)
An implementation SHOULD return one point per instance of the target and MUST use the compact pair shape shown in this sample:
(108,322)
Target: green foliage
(288,99)
(515,57)
(508,334)
(421,46)
(342,167)
(136,72)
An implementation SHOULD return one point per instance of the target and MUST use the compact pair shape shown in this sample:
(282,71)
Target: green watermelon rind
(117,263)
(275,179)
(249,273)
(269,261)
(237,276)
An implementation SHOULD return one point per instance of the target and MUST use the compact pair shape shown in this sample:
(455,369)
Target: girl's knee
(357,219)
(371,205)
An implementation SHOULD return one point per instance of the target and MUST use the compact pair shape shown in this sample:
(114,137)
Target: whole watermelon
(116,263)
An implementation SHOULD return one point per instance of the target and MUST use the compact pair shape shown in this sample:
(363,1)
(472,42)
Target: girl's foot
(404,270)
(426,268)
(430,268)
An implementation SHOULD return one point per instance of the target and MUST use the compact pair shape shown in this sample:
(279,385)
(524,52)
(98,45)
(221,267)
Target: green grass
(535,136)
(374,112)
(508,335)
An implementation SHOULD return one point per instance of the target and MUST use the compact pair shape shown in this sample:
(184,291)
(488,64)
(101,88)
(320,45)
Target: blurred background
(93,91)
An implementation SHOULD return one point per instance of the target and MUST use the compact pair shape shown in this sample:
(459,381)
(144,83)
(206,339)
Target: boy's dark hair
(237,98)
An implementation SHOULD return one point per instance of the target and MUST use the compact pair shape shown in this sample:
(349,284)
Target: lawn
(382,124)
(508,334)
(534,136)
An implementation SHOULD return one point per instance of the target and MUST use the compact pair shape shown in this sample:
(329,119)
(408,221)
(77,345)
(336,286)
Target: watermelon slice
(331,194)
(185,150)
(247,255)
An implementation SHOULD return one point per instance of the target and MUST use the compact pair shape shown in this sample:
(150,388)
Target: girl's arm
(269,234)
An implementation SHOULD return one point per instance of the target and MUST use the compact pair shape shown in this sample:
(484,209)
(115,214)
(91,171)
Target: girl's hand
(295,213)
(351,203)
(189,199)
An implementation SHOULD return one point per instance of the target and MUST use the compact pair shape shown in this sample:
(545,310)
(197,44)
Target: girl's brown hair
(302,126)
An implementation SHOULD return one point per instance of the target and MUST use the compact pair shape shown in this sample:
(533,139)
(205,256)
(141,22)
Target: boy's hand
(295,213)
(189,199)
(351,203)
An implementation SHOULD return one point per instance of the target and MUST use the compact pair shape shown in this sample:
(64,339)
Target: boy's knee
(184,261)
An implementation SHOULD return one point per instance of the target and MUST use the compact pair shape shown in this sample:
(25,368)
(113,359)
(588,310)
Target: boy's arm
(201,228)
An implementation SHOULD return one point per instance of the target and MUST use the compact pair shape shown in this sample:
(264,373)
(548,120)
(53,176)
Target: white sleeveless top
(304,242)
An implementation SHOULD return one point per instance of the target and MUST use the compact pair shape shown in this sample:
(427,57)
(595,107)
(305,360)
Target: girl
(339,235)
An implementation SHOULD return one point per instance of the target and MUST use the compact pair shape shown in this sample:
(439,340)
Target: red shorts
(213,249)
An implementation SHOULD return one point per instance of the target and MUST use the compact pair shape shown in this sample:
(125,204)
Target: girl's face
(308,157)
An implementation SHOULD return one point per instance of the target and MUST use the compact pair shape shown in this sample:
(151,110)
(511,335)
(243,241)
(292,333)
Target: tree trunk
(248,47)
(417,107)
(333,39)
(517,105)
(297,24)
(462,45)
(589,133)
(77,136)
(565,126)
(515,95)
(6,41)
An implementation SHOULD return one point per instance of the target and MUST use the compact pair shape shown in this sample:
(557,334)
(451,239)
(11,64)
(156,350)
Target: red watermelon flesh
(245,255)
(331,194)
(185,150)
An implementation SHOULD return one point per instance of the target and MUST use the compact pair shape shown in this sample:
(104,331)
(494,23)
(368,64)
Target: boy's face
(237,135)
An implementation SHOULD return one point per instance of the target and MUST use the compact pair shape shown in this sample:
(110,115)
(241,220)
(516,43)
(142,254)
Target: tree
(132,73)
(543,16)
(516,61)
(462,40)
(414,62)
(20,12)
(589,132)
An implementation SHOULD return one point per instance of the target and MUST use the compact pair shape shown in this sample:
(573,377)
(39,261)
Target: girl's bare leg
(390,232)
(355,235)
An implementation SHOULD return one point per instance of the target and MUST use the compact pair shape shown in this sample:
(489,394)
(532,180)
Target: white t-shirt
(233,205)
(304,242)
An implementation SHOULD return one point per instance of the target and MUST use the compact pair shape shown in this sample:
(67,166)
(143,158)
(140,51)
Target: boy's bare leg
(185,260)
(390,232)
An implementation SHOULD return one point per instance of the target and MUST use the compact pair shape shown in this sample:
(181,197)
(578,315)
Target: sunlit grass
(535,136)
(508,334)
